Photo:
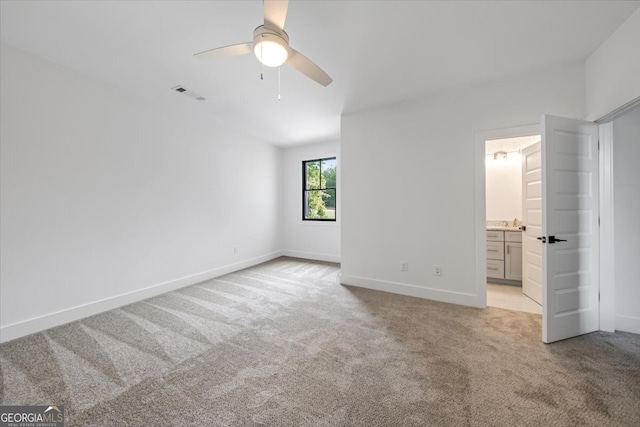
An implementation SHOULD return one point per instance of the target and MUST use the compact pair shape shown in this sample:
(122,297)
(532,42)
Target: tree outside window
(319,189)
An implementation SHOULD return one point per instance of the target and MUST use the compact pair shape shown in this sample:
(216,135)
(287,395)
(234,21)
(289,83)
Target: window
(319,189)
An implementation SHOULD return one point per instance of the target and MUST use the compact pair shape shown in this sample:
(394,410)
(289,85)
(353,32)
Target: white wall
(504,187)
(626,182)
(108,198)
(408,180)
(613,70)
(309,239)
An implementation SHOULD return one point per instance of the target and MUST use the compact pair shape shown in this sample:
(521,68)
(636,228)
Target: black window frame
(305,190)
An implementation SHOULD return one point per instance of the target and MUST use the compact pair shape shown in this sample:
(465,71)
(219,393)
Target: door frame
(481,199)
(605,172)
(607,272)
(607,267)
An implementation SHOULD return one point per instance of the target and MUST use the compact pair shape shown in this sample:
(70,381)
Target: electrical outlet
(235,250)
(437,270)
(404,266)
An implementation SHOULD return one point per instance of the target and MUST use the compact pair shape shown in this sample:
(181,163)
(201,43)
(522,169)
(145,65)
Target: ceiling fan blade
(231,50)
(275,13)
(308,68)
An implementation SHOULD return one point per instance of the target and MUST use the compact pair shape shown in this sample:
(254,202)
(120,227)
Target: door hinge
(598,145)
(598,221)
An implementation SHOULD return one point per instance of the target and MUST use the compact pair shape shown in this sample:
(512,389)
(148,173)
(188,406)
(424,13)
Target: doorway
(512,177)
(568,219)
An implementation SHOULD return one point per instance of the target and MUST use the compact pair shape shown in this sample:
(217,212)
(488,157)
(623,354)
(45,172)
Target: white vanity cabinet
(513,255)
(495,254)
(504,255)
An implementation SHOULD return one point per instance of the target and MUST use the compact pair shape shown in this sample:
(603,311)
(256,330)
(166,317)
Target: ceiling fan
(271,45)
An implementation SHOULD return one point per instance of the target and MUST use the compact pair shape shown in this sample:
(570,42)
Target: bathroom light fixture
(499,155)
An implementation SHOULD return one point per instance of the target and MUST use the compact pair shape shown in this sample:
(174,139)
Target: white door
(532,221)
(570,249)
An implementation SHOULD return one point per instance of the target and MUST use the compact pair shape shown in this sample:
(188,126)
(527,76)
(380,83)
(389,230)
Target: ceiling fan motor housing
(270,46)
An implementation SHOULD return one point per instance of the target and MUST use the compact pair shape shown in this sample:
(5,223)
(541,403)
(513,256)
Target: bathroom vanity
(504,253)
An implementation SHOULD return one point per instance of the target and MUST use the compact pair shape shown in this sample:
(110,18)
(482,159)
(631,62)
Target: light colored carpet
(284,344)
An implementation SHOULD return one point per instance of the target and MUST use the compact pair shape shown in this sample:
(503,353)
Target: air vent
(187,92)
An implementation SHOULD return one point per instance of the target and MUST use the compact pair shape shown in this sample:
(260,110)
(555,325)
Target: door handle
(523,228)
(553,239)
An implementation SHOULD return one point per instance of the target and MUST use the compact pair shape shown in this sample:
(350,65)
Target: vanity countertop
(495,228)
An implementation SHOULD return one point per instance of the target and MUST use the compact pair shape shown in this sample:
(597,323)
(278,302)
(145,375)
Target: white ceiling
(377,52)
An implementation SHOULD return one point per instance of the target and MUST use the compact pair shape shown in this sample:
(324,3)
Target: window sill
(319,223)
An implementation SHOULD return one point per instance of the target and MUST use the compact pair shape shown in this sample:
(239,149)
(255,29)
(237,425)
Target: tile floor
(510,297)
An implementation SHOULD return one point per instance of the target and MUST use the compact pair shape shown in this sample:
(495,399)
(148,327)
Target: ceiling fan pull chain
(261,56)
(279,83)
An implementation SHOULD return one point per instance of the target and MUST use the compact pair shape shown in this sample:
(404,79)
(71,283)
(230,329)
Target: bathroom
(504,219)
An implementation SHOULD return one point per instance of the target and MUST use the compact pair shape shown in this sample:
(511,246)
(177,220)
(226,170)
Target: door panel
(532,219)
(570,211)
(513,261)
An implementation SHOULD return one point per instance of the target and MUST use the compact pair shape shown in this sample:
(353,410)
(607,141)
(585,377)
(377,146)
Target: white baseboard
(414,291)
(38,324)
(628,324)
(312,255)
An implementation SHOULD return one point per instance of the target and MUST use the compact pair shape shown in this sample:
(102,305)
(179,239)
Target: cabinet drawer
(495,250)
(495,269)
(495,235)
(513,236)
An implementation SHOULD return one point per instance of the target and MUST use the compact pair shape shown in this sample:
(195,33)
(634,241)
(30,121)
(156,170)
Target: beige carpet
(284,344)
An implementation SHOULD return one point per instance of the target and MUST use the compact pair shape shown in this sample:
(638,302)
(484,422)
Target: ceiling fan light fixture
(271,47)
(271,50)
